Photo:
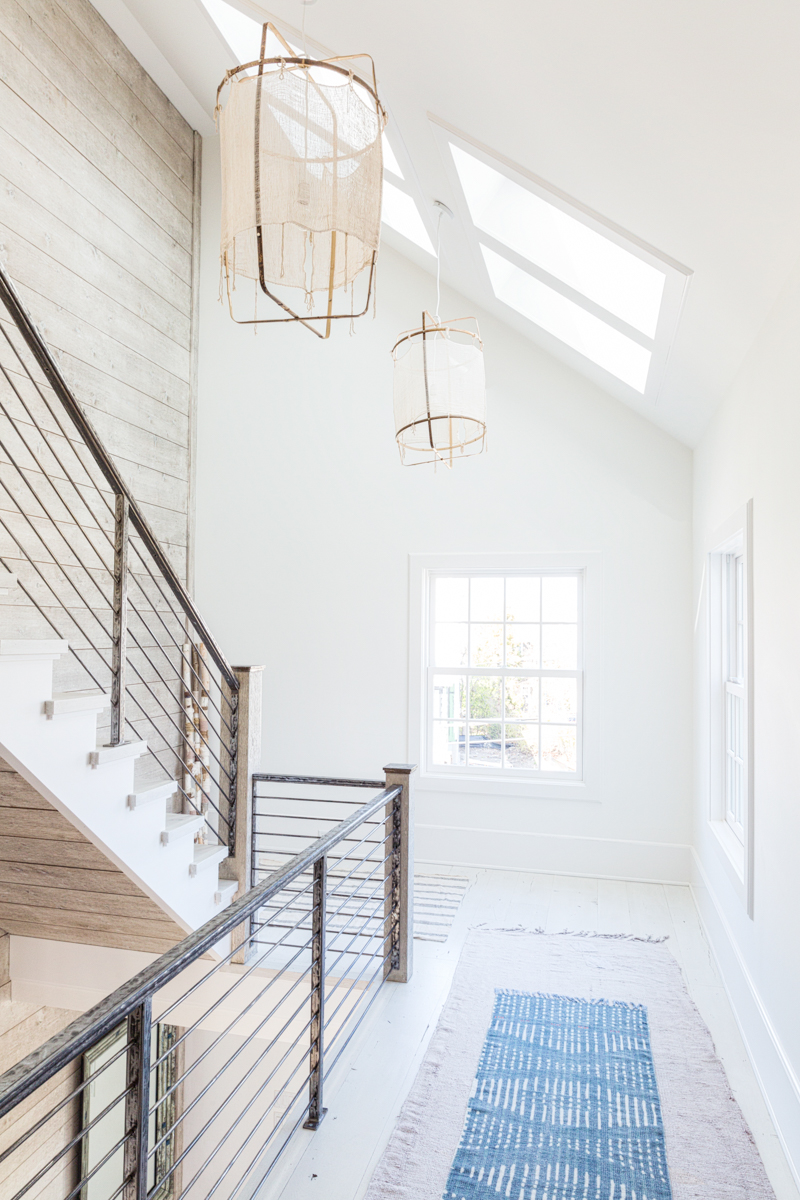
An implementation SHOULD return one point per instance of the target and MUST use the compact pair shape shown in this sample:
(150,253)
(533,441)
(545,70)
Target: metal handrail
(39,349)
(318,780)
(21,1080)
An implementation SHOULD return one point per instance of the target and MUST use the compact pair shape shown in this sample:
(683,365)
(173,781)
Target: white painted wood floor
(365,1093)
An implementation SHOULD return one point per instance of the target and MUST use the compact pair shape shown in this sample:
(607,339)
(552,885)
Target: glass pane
(449,696)
(522,646)
(450,645)
(560,647)
(400,212)
(485,745)
(485,696)
(486,598)
(561,244)
(560,598)
(487,646)
(566,320)
(522,747)
(522,598)
(559,748)
(560,700)
(522,698)
(451,599)
(390,162)
(448,744)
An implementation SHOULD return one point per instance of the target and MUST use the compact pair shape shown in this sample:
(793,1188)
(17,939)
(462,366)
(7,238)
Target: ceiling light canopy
(302,168)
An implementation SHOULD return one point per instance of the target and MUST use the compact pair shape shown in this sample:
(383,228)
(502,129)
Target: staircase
(116,704)
(51,740)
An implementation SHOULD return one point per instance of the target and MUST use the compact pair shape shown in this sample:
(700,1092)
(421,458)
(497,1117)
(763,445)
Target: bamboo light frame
(440,451)
(292,62)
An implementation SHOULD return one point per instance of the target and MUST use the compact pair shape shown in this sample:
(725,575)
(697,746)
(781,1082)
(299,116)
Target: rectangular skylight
(401,213)
(567,321)
(595,296)
(242,33)
(566,248)
(390,162)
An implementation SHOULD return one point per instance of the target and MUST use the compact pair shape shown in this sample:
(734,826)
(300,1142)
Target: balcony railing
(192,1079)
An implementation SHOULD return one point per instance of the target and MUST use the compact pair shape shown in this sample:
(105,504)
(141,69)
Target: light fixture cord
(438,263)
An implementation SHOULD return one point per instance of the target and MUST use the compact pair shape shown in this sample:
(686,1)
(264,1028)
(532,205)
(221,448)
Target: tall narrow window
(505,675)
(730,698)
(735,699)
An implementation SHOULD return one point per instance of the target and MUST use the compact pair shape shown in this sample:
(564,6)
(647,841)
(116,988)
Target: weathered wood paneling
(55,884)
(98,231)
(97,205)
(23,1028)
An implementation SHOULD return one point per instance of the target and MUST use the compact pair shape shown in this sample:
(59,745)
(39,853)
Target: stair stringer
(53,755)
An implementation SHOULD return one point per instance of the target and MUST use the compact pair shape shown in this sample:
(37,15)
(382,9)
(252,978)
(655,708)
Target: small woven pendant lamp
(439,387)
(302,177)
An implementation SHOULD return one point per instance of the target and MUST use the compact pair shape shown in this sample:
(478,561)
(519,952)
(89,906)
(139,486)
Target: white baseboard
(773,1069)
(553,854)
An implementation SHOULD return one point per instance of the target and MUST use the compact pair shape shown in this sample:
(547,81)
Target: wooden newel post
(239,865)
(119,632)
(399,895)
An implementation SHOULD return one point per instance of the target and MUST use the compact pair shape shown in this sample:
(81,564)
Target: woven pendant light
(439,392)
(439,386)
(302,176)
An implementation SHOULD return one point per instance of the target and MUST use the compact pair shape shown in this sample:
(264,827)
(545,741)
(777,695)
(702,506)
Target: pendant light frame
(435,450)
(292,62)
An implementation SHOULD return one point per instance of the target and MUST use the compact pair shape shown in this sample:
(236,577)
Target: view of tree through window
(505,676)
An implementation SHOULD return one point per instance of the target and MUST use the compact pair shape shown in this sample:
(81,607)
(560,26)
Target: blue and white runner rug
(564,1106)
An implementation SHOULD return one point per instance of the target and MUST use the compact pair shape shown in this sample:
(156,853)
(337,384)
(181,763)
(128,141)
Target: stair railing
(192,1079)
(91,570)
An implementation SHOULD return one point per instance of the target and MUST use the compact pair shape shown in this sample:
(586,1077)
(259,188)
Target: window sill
(545,789)
(732,848)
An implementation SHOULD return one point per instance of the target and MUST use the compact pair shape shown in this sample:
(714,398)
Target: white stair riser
(162,793)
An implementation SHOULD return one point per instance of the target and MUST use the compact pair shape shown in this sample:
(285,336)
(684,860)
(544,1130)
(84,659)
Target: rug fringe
(631,1005)
(583,933)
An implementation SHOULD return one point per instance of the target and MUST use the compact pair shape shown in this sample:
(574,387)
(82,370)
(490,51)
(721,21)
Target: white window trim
(420,568)
(736,855)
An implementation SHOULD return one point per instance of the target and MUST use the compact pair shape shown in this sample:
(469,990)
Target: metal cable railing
(90,571)
(190,1081)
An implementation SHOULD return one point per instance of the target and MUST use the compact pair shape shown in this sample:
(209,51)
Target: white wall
(305,521)
(750,451)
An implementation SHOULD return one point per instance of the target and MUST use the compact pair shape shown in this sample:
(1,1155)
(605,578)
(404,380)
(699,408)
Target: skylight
(590,293)
(242,33)
(567,321)
(390,162)
(563,246)
(401,213)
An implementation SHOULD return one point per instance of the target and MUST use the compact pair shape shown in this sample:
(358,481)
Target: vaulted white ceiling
(677,120)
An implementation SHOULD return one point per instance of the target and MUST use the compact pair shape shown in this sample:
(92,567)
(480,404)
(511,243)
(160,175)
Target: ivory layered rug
(569,1068)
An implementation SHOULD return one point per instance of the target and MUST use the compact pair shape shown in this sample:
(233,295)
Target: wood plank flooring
(365,1092)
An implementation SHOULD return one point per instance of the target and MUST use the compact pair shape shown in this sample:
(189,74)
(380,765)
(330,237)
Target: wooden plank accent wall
(97,213)
(23,1028)
(54,883)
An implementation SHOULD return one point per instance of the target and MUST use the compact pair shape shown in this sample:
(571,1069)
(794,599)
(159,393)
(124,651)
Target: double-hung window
(504,675)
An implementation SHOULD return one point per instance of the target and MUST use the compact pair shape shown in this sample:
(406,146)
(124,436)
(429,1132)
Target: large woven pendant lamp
(302,175)
(439,387)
